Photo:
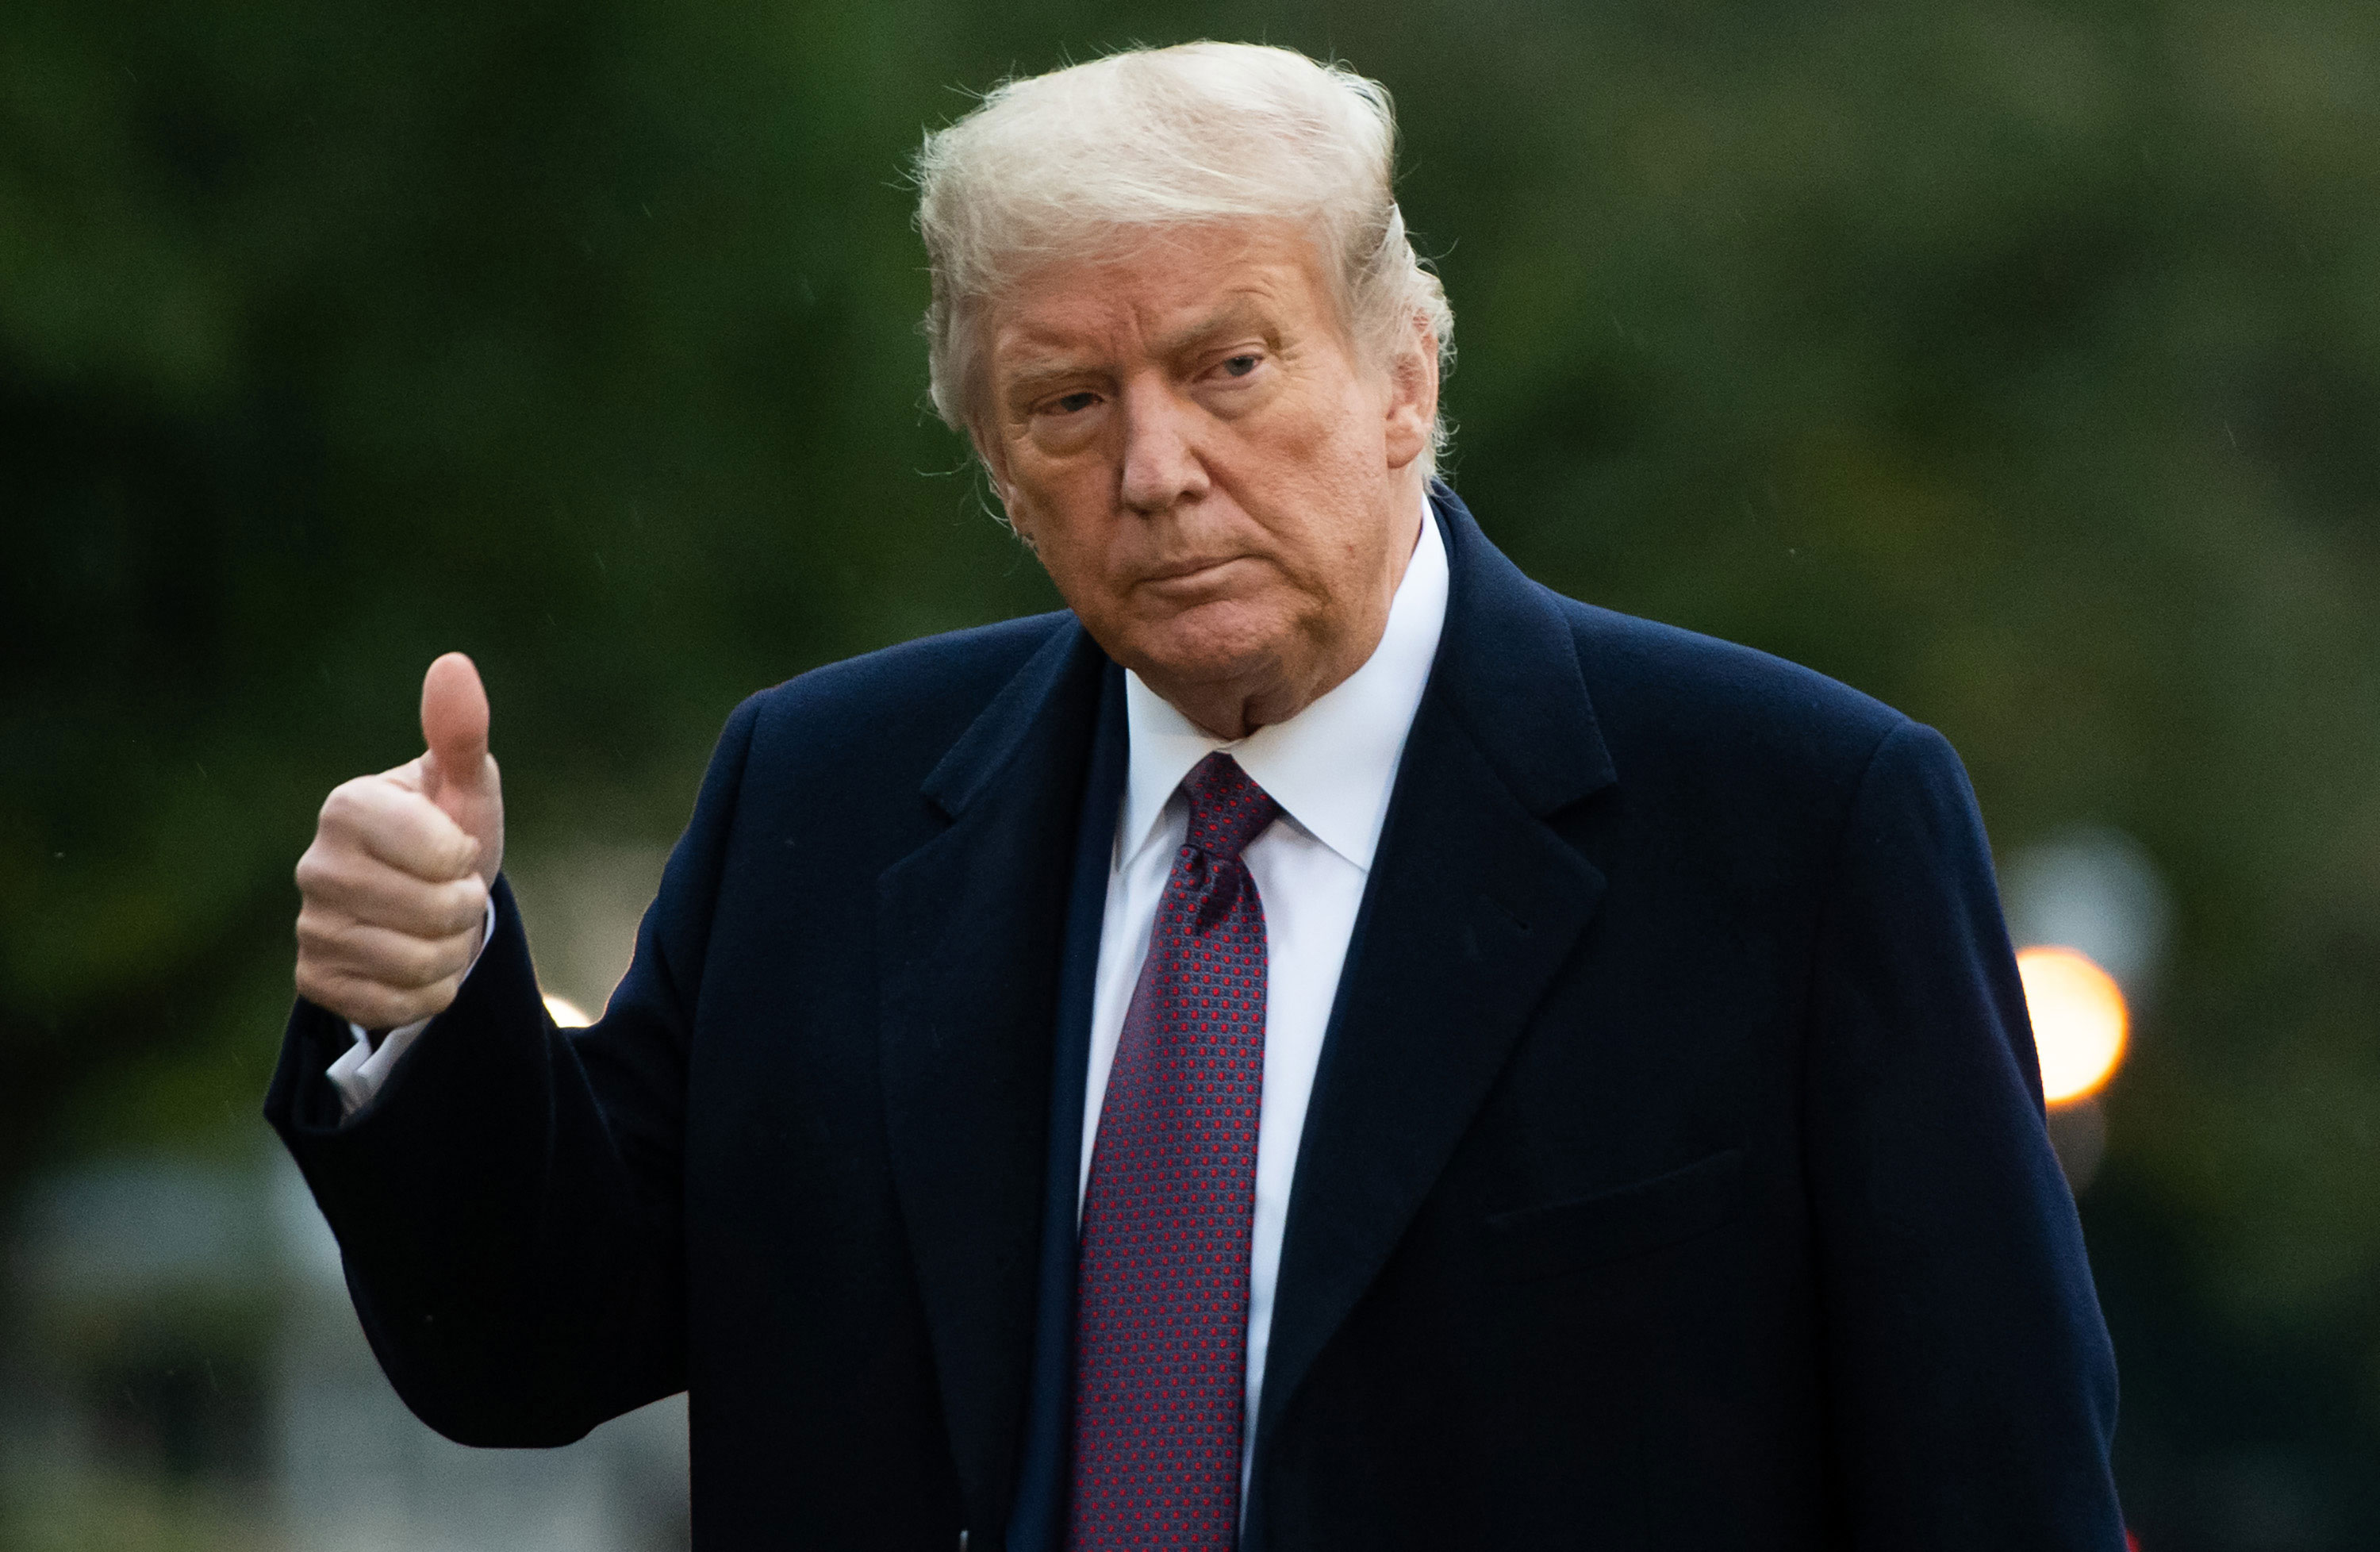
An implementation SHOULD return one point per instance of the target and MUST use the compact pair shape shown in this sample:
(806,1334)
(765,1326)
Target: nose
(1161,463)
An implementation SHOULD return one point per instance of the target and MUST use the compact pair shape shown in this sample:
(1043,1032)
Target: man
(1325,1044)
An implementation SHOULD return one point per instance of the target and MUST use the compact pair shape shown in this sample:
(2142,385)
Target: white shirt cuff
(361,1069)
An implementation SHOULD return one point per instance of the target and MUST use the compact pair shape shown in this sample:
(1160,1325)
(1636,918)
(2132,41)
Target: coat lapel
(1473,905)
(972,926)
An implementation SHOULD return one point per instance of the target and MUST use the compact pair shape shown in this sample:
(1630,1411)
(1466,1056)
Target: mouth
(1176,572)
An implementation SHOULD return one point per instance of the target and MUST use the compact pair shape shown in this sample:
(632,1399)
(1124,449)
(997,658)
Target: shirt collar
(1330,767)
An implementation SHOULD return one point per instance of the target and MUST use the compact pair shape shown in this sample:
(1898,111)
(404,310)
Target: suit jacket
(1675,1175)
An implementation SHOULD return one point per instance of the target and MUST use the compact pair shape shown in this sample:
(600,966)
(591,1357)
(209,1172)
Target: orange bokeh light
(2079,1024)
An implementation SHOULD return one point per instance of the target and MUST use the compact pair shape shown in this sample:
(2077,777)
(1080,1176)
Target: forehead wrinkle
(1038,354)
(1036,347)
(1082,329)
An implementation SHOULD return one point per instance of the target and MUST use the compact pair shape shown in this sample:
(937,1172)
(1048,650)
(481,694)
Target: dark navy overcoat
(1675,1175)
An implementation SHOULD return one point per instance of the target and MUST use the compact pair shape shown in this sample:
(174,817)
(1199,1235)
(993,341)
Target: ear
(1413,397)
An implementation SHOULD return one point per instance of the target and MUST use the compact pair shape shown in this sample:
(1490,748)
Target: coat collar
(972,936)
(1506,664)
(1508,670)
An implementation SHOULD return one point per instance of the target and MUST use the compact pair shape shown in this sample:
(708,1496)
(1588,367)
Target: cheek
(1330,449)
(1326,480)
(1073,542)
(1041,496)
(1330,439)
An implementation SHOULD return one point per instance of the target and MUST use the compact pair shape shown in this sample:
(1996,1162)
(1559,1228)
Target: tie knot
(1227,810)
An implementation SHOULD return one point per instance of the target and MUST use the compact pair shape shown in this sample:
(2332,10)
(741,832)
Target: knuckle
(324,934)
(345,803)
(416,849)
(332,933)
(414,963)
(397,899)
(456,853)
(330,858)
(469,904)
(391,1005)
(327,861)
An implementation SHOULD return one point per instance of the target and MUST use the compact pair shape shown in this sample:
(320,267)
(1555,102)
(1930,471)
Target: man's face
(1222,492)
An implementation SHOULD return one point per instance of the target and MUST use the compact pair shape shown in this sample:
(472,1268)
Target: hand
(395,884)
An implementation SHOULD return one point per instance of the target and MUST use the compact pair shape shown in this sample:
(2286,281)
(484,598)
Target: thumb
(454,725)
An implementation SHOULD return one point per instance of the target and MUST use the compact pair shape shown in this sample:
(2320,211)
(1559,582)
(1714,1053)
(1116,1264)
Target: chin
(1217,644)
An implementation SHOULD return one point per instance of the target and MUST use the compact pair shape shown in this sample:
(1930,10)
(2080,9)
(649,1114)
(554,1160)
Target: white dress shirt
(1330,768)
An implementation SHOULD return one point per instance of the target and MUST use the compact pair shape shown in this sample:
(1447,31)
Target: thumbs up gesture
(395,884)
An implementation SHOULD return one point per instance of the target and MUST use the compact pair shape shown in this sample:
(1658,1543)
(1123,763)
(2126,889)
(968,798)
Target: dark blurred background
(2019,364)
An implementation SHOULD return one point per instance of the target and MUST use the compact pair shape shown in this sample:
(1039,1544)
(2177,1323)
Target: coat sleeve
(1972,1386)
(508,1206)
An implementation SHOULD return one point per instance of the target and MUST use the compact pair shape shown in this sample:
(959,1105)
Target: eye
(1074,404)
(1240,366)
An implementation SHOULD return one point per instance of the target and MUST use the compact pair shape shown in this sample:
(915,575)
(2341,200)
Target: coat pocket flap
(1559,1237)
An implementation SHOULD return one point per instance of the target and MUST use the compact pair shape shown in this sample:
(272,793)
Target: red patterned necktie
(1161,1335)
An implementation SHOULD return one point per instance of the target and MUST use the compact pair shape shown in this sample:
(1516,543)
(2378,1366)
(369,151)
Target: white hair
(1069,164)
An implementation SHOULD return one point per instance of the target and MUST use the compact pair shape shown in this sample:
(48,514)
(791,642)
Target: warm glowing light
(2079,1022)
(565,1012)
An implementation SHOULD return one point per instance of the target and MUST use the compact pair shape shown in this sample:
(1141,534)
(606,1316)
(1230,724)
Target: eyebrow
(1030,382)
(1241,314)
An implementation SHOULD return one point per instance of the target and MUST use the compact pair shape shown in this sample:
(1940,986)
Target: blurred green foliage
(2019,364)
